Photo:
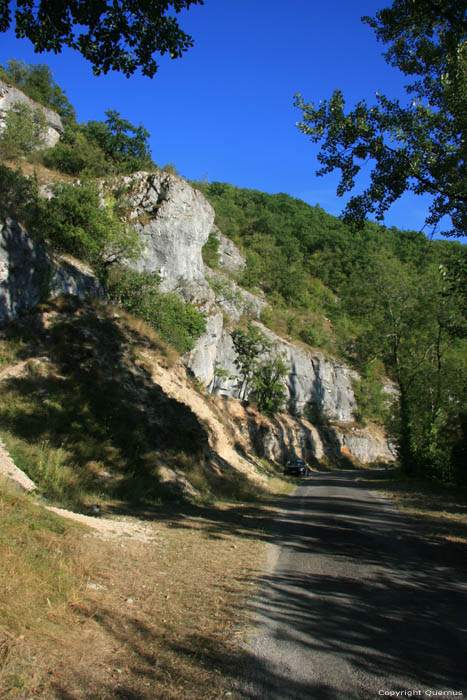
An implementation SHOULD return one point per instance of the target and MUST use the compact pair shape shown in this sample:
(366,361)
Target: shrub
(268,388)
(369,395)
(18,195)
(76,221)
(123,144)
(24,131)
(75,155)
(210,251)
(37,82)
(179,323)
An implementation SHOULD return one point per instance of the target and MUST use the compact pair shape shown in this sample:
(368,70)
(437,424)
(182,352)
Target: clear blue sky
(225,110)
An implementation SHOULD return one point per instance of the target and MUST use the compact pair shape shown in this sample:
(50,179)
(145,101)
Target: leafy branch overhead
(419,147)
(111,35)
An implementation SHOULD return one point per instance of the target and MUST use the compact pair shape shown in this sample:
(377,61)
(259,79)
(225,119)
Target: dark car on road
(297,467)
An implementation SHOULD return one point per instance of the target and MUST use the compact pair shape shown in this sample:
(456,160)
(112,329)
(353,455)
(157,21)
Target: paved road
(354,605)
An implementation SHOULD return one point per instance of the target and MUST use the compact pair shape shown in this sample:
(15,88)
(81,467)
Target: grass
(440,512)
(83,418)
(77,623)
(41,577)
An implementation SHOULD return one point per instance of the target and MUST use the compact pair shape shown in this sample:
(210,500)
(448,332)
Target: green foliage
(24,130)
(372,404)
(37,82)
(391,302)
(99,148)
(262,373)
(75,155)
(18,196)
(210,251)
(76,221)
(268,388)
(414,148)
(110,36)
(124,145)
(170,168)
(249,345)
(179,323)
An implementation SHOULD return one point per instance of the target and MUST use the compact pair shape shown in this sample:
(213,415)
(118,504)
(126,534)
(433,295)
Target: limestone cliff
(10,96)
(174,222)
(30,272)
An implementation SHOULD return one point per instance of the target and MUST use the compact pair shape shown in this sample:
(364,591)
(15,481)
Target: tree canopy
(37,82)
(420,147)
(111,35)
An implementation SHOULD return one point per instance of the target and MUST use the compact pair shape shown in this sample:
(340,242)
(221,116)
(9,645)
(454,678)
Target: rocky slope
(174,221)
(11,96)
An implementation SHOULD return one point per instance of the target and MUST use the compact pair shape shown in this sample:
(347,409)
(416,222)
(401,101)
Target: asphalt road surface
(354,605)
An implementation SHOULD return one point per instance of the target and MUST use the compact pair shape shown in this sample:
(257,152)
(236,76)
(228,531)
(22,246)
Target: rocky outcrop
(317,385)
(173,221)
(11,96)
(31,272)
(285,437)
(230,258)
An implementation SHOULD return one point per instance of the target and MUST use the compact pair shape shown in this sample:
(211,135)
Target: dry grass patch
(45,176)
(42,575)
(440,512)
(89,619)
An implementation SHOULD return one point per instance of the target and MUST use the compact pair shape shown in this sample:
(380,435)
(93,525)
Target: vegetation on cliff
(390,302)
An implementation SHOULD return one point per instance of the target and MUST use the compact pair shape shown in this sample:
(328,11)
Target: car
(297,467)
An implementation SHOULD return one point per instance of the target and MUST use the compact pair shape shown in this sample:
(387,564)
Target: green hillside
(391,303)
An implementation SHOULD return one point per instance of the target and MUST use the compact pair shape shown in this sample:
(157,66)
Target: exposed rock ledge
(30,272)
(10,96)
(174,222)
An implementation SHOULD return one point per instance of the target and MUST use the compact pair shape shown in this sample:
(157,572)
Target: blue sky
(225,110)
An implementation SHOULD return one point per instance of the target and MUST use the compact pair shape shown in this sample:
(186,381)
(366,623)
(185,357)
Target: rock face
(230,258)
(10,96)
(285,437)
(173,221)
(316,385)
(30,272)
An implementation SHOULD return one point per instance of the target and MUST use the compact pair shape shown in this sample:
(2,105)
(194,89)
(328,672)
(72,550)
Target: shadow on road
(385,604)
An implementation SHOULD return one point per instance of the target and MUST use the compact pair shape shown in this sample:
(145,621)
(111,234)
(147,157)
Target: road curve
(354,605)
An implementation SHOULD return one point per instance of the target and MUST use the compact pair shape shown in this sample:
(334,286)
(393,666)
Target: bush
(179,323)
(76,221)
(18,196)
(37,82)
(369,395)
(124,145)
(268,388)
(210,251)
(24,131)
(74,155)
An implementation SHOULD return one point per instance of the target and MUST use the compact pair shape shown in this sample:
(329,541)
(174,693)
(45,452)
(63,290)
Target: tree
(420,147)
(122,143)
(37,82)
(179,323)
(76,221)
(111,35)
(268,389)
(261,370)
(24,131)
(249,345)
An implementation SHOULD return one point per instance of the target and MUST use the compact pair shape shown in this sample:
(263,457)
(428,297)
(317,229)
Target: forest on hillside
(392,303)
(389,302)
